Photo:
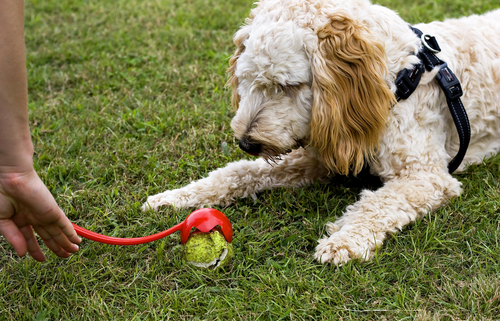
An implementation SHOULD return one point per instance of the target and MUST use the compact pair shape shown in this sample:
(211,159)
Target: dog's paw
(170,198)
(342,246)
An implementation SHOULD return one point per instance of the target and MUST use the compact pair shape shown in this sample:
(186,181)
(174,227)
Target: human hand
(26,205)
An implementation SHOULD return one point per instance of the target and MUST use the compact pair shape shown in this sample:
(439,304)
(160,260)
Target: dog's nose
(253,148)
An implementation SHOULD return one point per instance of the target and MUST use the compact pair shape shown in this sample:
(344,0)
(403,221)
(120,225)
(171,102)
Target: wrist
(16,156)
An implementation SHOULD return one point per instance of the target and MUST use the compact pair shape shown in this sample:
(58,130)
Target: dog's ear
(351,99)
(239,39)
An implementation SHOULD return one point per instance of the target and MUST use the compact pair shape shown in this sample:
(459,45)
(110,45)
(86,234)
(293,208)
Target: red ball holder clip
(204,219)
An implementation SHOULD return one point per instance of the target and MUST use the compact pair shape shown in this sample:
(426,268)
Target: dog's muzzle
(250,147)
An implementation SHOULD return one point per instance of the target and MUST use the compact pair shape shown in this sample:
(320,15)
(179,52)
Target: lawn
(127,99)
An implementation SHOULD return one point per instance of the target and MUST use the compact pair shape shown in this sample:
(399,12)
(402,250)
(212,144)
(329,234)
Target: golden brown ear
(351,99)
(239,38)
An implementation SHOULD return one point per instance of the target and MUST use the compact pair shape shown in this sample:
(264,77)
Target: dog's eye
(281,87)
(289,89)
(276,89)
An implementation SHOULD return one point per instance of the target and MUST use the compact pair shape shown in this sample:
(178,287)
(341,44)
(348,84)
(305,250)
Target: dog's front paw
(172,198)
(343,245)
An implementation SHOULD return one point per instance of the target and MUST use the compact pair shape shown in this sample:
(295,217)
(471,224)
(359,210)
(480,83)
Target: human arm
(25,202)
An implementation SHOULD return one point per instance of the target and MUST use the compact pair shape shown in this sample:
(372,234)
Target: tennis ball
(207,250)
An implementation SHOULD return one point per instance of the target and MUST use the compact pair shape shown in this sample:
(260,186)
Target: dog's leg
(365,224)
(242,179)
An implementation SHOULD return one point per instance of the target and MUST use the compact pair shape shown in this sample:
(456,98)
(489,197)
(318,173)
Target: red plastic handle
(204,219)
(124,241)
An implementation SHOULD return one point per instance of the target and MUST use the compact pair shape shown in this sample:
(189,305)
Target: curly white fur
(286,86)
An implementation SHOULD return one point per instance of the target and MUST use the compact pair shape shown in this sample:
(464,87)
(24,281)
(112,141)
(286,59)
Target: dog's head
(320,84)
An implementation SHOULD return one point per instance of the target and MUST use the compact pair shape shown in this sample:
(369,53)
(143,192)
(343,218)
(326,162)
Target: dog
(313,86)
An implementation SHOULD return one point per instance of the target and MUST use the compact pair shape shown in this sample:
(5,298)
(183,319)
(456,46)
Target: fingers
(49,221)
(27,204)
(54,247)
(69,231)
(51,235)
(56,240)
(23,240)
(12,234)
(59,237)
(33,248)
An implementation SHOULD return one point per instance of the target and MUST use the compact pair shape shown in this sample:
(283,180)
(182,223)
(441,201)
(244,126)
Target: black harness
(408,79)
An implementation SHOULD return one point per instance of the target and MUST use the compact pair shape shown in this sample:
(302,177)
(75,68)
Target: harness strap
(408,80)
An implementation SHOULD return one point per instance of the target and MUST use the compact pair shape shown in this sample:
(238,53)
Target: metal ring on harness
(424,39)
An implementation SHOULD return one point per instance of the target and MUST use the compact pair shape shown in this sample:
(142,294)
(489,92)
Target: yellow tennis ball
(207,250)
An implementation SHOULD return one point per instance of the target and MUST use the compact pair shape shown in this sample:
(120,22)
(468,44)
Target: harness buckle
(407,81)
(449,83)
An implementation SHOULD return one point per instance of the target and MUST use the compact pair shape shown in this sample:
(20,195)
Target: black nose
(250,147)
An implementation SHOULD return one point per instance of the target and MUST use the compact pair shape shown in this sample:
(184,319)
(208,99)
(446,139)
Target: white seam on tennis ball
(214,261)
(222,257)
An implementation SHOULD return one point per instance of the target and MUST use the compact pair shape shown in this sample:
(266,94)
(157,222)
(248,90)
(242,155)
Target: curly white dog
(321,74)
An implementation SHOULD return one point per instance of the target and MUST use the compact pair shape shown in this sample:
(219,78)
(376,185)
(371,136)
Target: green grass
(127,99)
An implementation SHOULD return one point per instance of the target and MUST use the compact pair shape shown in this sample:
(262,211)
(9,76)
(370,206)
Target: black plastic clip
(449,83)
(408,80)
